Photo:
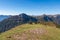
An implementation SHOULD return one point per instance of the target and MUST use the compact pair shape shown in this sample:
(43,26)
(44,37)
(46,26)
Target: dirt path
(31,34)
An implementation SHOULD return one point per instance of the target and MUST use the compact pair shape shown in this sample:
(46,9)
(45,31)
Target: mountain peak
(22,14)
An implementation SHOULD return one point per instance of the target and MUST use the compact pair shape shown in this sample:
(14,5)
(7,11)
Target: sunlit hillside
(32,32)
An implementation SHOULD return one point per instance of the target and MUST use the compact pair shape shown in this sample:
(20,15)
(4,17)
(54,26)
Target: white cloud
(6,12)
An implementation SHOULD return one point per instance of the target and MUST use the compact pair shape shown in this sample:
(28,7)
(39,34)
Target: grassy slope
(47,33)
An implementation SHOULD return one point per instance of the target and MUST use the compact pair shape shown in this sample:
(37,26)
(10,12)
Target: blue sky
(30,7)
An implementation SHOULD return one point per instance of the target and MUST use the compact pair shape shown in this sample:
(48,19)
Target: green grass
(51,34)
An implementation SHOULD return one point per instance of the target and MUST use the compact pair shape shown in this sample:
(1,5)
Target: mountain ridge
(23,18)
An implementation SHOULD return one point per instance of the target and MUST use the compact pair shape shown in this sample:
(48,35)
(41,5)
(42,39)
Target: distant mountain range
(8,22)
(49,18)
(2,17)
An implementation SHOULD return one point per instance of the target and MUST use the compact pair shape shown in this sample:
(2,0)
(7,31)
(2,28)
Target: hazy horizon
(30,7)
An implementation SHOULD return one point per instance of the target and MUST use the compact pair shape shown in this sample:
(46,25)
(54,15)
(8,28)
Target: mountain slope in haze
(2,17)
(45,18)
(13,21)
(57,19)
(32,32)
